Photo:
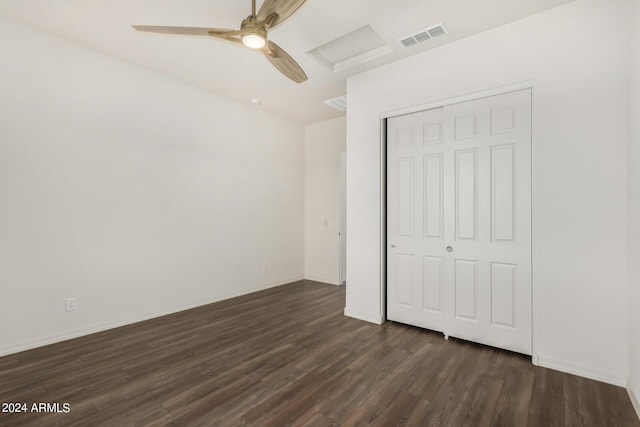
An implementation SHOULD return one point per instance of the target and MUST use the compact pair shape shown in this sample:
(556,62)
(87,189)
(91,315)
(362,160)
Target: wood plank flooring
(288,356)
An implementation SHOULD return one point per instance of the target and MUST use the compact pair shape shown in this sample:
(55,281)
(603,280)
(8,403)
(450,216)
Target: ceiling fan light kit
(252,34)
(256,39)
(253,41)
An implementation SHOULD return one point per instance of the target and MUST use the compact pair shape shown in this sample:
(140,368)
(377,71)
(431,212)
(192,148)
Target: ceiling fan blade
(222,32)
(189,31)
(284,63)
(283,8)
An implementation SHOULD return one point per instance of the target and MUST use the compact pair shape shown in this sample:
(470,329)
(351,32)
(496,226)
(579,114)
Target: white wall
(634,213)
(323,143)
(135,193)
(580,170)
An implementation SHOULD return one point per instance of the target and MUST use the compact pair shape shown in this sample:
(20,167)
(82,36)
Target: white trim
(320,279)
(534,294)
(76,333)
(581,371)
(458,99)
(632,395)
(365,317)
(362,58)
(383,221)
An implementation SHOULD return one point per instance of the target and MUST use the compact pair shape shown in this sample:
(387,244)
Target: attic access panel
(356,47)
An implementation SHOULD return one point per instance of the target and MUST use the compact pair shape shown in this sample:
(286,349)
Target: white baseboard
(634,398)
(76,333)
(321,279)
(581,371)
(371,319)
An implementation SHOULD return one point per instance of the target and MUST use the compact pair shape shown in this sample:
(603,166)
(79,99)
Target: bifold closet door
(459,220)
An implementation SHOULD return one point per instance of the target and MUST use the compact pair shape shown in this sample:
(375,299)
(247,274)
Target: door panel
(503,293)
(466,195)
(465,282)
(433,133)
(503,174)
(459,220)
(465,126)
(433,196)
(404,278)
(404,171)
(432,283)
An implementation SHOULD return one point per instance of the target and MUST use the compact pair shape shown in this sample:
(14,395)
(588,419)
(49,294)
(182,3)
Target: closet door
(415,219)
(459,220)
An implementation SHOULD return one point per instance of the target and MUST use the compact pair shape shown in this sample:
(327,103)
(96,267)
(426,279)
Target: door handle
(449,249)
(393,246)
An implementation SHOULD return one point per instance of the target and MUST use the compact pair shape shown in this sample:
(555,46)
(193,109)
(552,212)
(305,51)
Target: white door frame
(529,84)
(342,220)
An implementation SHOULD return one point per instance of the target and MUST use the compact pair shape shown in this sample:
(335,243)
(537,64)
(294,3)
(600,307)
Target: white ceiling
(238,73)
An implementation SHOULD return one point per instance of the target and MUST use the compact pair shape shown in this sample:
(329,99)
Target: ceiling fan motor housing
(256,36)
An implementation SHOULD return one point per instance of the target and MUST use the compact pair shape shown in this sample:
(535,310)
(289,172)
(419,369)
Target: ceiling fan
(252,34)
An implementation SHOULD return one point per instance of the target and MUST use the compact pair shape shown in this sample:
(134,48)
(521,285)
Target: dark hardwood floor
(288,356)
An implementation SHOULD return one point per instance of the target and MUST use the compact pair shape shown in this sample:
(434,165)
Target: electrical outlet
(72,304)
(265,269)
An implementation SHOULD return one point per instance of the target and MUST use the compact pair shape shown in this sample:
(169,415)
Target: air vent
(339,103)
(408,42)
(437,31)
(424,35)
